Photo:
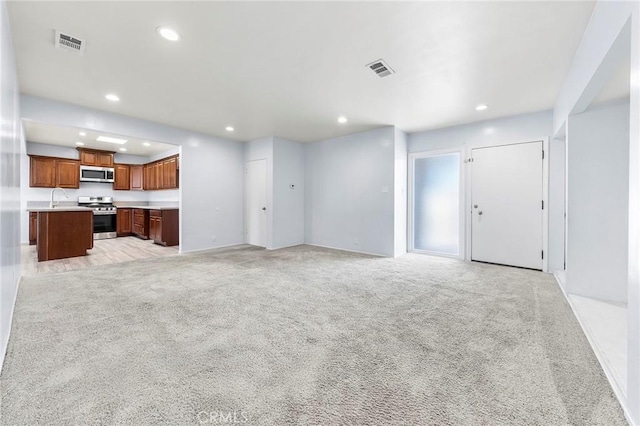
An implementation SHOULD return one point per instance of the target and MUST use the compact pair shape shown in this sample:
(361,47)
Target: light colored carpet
(300,336)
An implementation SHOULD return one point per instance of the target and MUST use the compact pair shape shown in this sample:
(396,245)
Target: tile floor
(104,252)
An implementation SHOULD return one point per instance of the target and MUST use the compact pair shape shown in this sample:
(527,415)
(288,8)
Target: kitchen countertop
(151,207)
(59,209)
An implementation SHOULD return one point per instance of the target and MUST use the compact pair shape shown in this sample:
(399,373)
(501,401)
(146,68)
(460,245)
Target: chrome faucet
(55,203)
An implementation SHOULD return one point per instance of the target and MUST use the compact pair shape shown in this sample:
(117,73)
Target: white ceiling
(289,69)
(68,136)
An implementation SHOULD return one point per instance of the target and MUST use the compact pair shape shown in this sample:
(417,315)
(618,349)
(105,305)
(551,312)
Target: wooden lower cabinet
(33,228)
(155,228)
(141,223)
(163,227)
(124,225)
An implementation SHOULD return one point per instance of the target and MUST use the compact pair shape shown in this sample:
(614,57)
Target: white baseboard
(210,248)
(350,251)
(5,344)
(619,392)
(287,246)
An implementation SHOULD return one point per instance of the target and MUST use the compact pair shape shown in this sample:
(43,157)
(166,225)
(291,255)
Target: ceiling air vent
(381,68)
(69,42)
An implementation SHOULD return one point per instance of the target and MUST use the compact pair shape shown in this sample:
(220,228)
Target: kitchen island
(63,232)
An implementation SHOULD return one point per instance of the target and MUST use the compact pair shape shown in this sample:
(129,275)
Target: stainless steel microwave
(96,174)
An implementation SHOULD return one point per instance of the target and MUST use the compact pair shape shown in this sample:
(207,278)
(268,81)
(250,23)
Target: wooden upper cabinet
(43,172)
(151,177)
(145,177)
(92,157)
(51,172)
(162,174)
(88,158)
(105,159)
(136,178)
(67,173)
(170,173)
(122,179)
(159,175)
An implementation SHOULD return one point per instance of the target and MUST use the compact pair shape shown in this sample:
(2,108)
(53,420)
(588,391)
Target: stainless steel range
(104,216)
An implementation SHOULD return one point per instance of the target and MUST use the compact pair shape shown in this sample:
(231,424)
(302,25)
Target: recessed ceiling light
(122,149)
(112,97)
(109,139)
(168,33)
(342,119)
(82,134)
(146,144)
(229,129)
(79,143)
(481,107)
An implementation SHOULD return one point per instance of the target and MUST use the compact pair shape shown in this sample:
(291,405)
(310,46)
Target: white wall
(211,174)
(598,191)
(518,128)
(349,199)
(613,32)
(11,145)
(288,203)
(400,170)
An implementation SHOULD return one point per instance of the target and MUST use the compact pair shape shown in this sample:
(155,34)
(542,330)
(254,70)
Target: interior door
(506,200)
(256,202)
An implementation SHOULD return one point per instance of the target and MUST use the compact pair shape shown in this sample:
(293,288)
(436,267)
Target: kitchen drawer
(155,213)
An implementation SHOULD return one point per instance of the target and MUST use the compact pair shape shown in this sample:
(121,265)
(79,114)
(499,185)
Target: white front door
(255,210)
(506,205)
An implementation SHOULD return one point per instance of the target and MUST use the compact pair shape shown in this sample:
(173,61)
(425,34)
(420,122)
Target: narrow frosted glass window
(436,207)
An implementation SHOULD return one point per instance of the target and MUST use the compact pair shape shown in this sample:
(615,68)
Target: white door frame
(545,196)
(462,229)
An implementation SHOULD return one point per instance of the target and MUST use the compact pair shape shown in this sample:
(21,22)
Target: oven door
(104,225)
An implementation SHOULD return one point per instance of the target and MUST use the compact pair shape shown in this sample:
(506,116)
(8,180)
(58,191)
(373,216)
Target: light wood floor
(115,250)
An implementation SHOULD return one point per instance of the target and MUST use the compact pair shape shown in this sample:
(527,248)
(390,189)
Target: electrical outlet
(355,241)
